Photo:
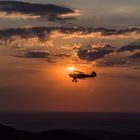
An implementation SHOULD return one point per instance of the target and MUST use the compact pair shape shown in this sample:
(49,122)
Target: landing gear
(74,80)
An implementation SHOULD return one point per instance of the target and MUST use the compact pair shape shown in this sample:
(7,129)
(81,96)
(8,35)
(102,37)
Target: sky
(39,40)
(92,13)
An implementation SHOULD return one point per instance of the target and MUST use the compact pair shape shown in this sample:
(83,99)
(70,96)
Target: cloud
(111,31)
(135,56)
(49,57)
(62,55)
(106,55)
(44,54)
(30,10)
(39,32)
(76,44)
(36,54)
(130,47)
(43,33)
(91,55)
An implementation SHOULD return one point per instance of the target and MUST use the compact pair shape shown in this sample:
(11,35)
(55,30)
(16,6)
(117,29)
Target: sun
(71,68)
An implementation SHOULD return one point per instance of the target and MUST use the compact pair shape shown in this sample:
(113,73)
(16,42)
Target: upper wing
(78,72)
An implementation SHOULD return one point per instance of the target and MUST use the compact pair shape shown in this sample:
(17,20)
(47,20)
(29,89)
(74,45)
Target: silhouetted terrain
(106,135)
(11,133)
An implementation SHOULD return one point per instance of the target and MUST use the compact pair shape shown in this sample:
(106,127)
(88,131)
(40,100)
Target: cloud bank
(43,32)
(135,56)
(62,42)
(32,10)
(91,55)
(130,47)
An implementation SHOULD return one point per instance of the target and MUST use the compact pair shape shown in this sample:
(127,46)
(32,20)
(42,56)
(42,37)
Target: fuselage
(80,76)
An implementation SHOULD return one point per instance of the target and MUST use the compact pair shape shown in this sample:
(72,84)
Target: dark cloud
(43,11)
(130,47)
(91,55)
(40,32)
(43,33)
(107,54)
(104,56)
(40,37)
(62,55)
(37,54)
(135,56)
(50,57)
(44,54)
(111,31)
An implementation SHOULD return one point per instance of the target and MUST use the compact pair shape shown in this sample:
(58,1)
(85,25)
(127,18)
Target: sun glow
(71,68)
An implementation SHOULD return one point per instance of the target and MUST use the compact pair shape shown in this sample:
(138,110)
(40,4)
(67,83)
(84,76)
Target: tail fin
(93,74)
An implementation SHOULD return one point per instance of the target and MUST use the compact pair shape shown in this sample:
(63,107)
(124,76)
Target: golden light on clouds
(17,15)
(94,35)
(74,14)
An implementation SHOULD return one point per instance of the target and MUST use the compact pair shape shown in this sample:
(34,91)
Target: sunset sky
(40,39)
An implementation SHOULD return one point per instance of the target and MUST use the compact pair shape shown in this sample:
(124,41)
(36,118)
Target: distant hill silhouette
(8,133)
(107,135)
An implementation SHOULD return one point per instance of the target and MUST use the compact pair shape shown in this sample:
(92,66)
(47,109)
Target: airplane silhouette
(81,75)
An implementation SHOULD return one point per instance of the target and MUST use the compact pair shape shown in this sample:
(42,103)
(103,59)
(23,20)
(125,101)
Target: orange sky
(33,85)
